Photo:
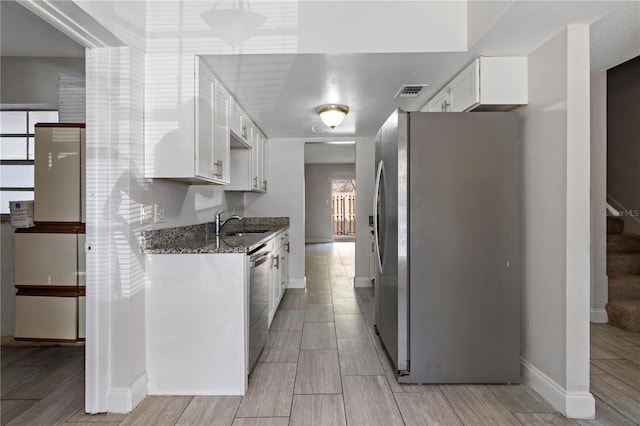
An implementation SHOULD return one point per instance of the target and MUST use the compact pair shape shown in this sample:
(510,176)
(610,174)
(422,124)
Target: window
(17,153)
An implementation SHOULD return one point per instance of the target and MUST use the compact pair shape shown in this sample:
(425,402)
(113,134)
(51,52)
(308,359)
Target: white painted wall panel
(555,180)
(544,167)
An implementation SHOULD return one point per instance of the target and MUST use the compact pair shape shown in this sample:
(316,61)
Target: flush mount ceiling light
(332,114)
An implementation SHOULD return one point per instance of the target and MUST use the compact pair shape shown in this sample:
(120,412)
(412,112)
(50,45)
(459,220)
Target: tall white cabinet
(49,257)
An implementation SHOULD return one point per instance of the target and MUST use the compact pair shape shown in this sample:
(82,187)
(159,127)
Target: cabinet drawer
(46,259)
(46,317)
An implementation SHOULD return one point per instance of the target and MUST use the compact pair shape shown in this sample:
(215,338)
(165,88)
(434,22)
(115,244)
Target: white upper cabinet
(198,155)
(211,127)
(226,144)
(247,165)
(238,123)
(487,84)
(441,102)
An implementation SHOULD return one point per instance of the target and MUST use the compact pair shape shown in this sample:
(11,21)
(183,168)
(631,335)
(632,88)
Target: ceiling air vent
(409,90)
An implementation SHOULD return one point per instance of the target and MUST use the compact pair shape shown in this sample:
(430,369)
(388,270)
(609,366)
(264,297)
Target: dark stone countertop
(201,238)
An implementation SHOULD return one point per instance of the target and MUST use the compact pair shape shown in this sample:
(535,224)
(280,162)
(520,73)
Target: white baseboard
(574,405)
(580,405)
(599,316)
(362,282)
(124,400)
(297,282)
(139,391)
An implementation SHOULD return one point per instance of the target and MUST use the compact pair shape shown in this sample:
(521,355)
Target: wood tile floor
(322,365)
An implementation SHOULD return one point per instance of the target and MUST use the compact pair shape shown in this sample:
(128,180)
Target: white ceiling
(24,34)
(281,92)
(616,37)
(329,153)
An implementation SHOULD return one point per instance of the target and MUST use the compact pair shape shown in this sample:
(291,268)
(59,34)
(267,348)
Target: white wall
(555,231)
(44,83)
(318,224)
(599,281)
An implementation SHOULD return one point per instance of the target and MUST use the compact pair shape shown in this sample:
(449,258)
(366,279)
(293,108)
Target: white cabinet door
(257,163)
(221,133)
(212,127)
(274,284)
(284,277)
(205,83)
(441,102)
(465,90)
(262,164)
(236,119)
(58,181)
(46,317)
(46,259)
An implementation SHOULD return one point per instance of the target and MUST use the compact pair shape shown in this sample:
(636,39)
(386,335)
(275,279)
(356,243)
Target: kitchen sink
(246,231)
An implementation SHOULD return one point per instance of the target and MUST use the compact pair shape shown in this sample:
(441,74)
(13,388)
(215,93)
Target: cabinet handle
(244,131)
(218,169)
(277,259)
(288,247)
(264,184)
(445,105)
(255,182)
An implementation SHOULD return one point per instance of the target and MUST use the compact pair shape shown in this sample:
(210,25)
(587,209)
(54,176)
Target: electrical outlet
(158,213)
(146,212)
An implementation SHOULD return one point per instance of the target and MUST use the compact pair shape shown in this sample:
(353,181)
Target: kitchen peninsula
(201,300)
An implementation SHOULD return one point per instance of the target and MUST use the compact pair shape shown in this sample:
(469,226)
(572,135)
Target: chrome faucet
(220,224)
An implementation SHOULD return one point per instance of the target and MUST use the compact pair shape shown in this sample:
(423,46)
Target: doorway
(343,209)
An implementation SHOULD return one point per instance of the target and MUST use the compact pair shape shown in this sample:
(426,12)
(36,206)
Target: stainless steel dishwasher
(258,301)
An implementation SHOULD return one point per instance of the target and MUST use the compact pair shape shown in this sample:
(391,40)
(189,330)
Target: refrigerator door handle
(376,194)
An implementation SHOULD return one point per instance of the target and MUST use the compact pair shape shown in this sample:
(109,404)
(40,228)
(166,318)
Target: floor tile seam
(64,380)
(21,399)
(452,406)
(623,380)
(338,357)
(602,401)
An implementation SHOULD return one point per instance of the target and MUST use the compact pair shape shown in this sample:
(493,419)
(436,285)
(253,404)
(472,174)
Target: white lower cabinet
(46,317)
(197,323)
(277,282)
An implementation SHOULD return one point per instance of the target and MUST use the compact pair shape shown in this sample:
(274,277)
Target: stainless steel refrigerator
(446,224)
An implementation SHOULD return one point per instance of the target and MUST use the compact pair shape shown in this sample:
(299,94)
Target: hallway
(323,364)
